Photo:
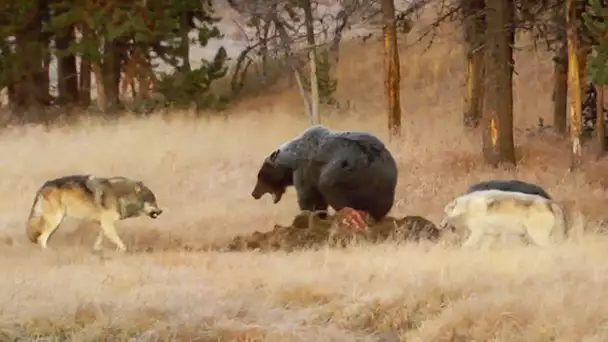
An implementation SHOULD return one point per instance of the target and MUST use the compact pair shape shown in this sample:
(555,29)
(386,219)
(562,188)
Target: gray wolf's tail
(36,220)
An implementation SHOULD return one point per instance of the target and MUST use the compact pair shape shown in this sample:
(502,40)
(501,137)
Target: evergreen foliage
(326,82)
(110,32)
(596,22)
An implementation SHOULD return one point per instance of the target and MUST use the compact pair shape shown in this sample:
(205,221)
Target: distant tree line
(575,30)
(115,41)
(107,50)
(118,41)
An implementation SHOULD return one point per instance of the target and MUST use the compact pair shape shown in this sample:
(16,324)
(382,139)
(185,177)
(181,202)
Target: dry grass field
(203,171)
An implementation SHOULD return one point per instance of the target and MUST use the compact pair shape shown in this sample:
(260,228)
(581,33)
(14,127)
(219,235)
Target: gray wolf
(494,212)
(346,170)
(87,197)
(509,185)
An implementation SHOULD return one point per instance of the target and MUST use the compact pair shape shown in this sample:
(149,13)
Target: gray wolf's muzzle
(256,195)
(152,210)
(155,213)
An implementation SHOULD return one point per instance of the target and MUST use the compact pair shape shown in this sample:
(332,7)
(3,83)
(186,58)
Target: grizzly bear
(344,170)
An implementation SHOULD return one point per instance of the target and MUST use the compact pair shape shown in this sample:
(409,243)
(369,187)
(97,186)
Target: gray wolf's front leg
(108,229)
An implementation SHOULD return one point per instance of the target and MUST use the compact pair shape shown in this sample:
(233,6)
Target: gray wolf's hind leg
(50,226)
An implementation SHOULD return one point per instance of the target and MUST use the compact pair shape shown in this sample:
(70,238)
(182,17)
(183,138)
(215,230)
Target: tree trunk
(600,126)
(475,28)
(574,85)
(144,79)
(43,80)
(7,80)
(315,119)
(263,51)
(102,101)
(498,147)
(583,47)
(392,67)
(84,83)
(29,67)
(44,76)
(84,79)
(67,75)
(184,46)
(111,68)
(284,38)
(560,76)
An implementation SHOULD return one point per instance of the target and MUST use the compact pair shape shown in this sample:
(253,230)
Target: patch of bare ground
(203,171)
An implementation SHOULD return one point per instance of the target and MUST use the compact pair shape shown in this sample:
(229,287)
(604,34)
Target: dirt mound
(308,231)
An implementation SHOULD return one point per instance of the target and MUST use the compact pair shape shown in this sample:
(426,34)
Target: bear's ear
(274,155)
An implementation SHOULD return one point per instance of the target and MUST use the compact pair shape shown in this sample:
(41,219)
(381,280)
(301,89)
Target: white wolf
(493,212)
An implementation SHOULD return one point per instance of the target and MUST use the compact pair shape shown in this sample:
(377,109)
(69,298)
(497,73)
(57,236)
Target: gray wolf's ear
(137,187)
(274,155)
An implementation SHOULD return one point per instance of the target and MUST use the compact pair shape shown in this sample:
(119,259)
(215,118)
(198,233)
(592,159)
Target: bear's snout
(276,197)
(257,192)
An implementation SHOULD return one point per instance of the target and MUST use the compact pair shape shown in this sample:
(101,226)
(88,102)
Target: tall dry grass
(203,171)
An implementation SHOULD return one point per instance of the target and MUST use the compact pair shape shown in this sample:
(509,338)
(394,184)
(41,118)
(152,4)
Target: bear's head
(272,179)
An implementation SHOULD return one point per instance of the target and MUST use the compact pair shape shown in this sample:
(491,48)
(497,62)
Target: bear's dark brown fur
(272,179)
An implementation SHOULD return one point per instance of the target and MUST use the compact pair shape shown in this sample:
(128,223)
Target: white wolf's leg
(475,237)
(50,225)
(539,235)
(107,227)
(539,228)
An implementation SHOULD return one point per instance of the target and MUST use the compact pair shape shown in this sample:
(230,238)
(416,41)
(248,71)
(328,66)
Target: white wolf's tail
(561,225)
(577,223)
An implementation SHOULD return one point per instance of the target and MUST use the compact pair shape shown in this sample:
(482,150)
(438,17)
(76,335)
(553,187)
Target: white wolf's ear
(137,188)
(491,200)
(450,207)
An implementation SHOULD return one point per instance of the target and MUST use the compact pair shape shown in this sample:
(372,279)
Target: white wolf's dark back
(512,185)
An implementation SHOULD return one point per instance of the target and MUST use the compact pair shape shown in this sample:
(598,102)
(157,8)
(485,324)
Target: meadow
(203,170)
